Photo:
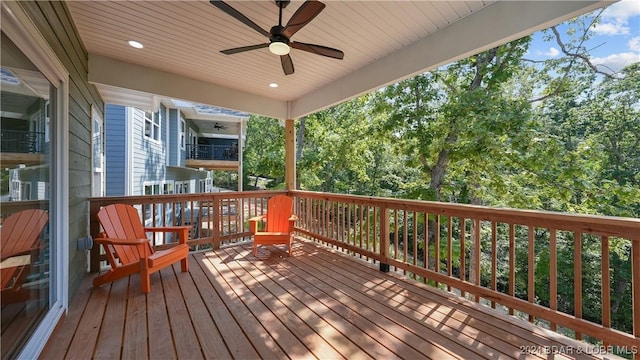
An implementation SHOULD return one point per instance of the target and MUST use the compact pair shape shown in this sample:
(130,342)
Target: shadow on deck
(316,304)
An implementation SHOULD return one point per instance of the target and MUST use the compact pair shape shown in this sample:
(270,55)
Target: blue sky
(616,42)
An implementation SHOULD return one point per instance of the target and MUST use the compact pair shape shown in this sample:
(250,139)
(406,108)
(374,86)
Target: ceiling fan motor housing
(282,4)
(276,35)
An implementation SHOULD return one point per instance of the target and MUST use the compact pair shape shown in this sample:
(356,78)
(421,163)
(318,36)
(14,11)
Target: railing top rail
(605,225)
(149,199)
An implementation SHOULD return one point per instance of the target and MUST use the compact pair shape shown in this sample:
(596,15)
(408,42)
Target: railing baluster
(635,289)
(512,263)
(476,253)
(415,238)
(553,274)
(395,235)
(494,259)
(531,284)
(425,237)
(606,287)
(436,245)
(405,235)
(449,249)
(463,255)
(577,278)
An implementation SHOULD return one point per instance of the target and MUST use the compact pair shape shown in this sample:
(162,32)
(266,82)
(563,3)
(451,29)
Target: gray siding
(174,134)
(55,24)
(115,129)
(148,157)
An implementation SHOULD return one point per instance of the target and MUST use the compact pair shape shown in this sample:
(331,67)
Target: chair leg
(184,264)
(145,278)
(255,249)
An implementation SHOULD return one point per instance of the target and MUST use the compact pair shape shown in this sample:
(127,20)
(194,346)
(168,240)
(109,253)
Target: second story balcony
(213,157)
(22,147)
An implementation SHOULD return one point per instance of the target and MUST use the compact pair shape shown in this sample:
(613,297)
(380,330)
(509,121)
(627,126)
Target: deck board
(318,303)
(110,342)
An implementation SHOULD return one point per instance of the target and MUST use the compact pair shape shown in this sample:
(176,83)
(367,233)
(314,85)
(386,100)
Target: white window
(183,127)
(152,125)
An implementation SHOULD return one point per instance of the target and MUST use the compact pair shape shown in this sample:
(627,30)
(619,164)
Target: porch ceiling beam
(111,72)
(494,25)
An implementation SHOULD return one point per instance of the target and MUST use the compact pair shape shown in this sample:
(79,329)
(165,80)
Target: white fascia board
(107,71)
(497,24)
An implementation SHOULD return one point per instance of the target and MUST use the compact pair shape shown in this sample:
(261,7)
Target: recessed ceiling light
(273,85)
(135,44)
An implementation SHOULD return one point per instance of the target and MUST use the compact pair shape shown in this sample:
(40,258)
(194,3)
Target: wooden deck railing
(486,254)
(217,218)
(476,251)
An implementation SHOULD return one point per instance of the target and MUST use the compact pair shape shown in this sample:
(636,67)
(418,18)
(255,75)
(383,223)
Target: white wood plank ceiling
(383,42)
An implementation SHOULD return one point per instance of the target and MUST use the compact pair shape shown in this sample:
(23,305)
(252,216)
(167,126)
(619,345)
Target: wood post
(384,238)
(290,154)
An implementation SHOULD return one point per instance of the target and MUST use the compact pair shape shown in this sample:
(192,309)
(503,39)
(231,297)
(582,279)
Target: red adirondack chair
(20,239)
(280,221)
(128,249)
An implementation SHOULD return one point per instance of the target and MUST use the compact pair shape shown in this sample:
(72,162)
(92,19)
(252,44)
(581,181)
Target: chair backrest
(121,221)
(279,210)
(20,232)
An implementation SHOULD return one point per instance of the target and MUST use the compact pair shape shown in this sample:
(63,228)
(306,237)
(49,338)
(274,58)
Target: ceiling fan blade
(238,16)
(244,48)
(318,50)
(287,64)
(305,13)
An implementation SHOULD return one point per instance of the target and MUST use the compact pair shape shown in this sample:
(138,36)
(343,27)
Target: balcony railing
(473,251)
(212,152)
(15,141)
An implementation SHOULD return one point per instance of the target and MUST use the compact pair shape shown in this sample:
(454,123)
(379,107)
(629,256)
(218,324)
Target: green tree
(263,155)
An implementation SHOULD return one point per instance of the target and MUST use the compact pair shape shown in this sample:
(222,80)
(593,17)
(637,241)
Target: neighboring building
(170,150)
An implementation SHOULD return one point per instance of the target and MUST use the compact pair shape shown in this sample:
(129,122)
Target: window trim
(183,133)
(155,124)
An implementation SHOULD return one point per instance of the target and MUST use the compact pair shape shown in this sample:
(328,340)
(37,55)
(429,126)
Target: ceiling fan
(219,127)
(280,36)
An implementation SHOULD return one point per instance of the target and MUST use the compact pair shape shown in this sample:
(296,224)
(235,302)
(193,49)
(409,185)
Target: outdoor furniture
(128,249)
(20,239)
(280,221)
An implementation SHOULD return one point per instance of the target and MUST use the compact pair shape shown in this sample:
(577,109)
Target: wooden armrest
(111,241)
(258,218)
(293,218)
(167,228)
(253,222)
(183,231)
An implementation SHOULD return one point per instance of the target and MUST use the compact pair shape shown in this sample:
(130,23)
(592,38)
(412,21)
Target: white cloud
(634,44)
(611,29)
(621,11)
(615,62)
(552,52)
(616,17)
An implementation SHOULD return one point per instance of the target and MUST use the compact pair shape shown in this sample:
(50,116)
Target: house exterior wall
(55,24)
(174,141)
(115,152)
(148,156)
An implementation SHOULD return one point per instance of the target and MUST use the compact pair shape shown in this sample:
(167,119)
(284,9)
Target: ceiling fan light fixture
(279,48)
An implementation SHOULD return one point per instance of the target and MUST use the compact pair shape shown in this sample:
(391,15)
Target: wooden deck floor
(315,304)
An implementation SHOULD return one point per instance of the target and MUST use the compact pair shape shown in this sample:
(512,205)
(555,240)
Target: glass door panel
(27,110)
